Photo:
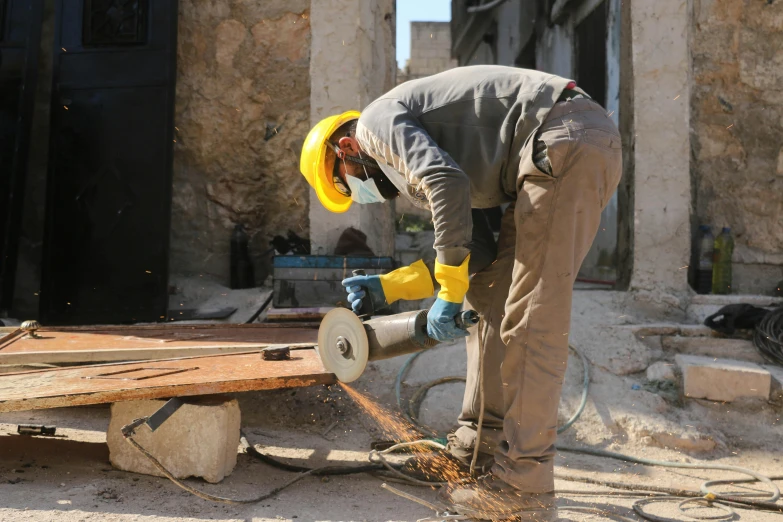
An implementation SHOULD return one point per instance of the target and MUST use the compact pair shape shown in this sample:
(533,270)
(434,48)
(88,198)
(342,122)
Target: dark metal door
(109,189)
(20,33)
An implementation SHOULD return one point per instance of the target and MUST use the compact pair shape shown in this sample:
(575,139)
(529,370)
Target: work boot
(464,454)
(441,466)
(490,498)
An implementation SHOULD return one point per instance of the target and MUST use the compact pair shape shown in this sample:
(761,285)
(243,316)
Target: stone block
(200,440)
(722,379)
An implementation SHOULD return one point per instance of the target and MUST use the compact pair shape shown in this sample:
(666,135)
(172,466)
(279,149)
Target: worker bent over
(477,138)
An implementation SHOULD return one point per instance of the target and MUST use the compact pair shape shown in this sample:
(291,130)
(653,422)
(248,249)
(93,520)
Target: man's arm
(394,137)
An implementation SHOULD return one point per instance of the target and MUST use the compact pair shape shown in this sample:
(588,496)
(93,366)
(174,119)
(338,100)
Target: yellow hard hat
(315,167)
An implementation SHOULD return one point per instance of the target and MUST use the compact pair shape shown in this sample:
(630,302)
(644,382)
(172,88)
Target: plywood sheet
(105,383)
(131,343)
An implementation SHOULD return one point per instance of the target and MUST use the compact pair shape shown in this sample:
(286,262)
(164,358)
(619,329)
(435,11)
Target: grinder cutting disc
(343,345)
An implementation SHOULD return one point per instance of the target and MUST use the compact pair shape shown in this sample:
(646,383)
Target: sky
(417,11)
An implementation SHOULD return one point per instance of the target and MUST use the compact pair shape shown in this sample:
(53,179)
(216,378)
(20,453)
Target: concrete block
(200,440)
(722,379)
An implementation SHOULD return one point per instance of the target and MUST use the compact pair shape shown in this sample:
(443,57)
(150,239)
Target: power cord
(768,336)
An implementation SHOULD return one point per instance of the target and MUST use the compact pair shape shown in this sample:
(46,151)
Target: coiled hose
(768,336)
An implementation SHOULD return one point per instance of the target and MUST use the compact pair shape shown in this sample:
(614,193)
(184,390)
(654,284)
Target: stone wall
(737,132)
(242,112)
(430,50)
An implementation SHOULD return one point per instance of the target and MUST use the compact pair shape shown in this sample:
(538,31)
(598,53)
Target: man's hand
(356,285)
(441,325)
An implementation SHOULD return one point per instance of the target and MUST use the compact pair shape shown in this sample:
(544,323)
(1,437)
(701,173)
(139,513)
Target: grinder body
(346,344)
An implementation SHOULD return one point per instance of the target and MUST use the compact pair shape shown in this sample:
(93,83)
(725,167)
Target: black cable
(325,471)
(768,337)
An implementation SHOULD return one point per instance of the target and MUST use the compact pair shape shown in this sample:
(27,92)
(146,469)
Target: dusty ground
(68,478)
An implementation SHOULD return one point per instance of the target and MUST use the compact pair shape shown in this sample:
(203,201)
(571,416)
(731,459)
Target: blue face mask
(364,191)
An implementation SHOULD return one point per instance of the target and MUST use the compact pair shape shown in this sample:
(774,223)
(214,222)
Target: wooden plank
(131,343)
(106,383)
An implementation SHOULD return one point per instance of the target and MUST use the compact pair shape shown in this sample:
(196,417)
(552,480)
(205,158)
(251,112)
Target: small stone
(661,371)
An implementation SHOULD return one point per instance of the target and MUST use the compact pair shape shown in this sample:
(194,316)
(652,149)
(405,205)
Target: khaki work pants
(525,295)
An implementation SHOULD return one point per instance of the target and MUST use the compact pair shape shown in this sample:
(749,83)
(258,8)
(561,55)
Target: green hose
(411,412)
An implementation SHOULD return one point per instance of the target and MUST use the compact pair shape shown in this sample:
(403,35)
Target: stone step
(722,380)
(684,330)
(713,347)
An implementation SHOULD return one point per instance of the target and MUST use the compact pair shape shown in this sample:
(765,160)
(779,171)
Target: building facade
(430,51)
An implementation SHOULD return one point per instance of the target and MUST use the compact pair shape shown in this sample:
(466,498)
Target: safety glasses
(341,187)
(338,183)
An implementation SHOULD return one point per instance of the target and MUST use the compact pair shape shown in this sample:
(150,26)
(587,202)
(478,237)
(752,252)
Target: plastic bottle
(241,265)
(705,248)
(721,264)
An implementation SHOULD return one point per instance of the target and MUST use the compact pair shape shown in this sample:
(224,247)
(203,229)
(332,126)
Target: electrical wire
(129,431)
(768,337)
(207,496)
(320,472)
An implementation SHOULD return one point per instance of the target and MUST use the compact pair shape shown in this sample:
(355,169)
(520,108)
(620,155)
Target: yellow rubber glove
(454,281)
(409,283)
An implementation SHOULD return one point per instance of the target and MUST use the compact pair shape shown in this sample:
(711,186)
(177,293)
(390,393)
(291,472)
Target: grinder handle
(466,319)
(367,308)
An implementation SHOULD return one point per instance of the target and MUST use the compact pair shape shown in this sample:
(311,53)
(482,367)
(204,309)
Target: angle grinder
(346,344)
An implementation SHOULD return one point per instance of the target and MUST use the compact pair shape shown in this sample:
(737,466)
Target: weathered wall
(430,50)
(662,190)
(242,112)
(737,132)
(352,64)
